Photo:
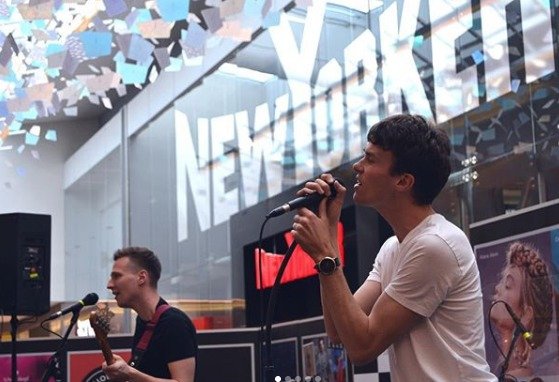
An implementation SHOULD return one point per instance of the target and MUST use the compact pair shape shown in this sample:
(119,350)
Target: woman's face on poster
(509,290)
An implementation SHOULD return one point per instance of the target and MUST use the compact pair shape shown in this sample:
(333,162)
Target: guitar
(100,322)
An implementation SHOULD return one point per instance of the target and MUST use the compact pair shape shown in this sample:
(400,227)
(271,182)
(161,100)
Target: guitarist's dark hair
(144,258)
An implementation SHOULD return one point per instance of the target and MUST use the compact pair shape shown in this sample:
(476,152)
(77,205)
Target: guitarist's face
(125,282)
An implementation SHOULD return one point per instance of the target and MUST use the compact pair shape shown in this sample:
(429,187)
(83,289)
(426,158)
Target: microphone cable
(48,329)
(261,294)
(265,334)
(310,201)
(503,377)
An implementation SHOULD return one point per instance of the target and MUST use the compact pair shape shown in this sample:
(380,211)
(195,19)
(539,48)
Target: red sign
(300,265)
(85,366)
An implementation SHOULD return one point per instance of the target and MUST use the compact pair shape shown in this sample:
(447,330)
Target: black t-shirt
(174,338)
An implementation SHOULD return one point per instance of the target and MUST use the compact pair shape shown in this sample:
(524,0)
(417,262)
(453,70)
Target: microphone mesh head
(90,299)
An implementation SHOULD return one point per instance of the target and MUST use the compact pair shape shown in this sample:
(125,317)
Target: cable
(491,328)
(505,377)
(48,330)
(261,294)
(269,367)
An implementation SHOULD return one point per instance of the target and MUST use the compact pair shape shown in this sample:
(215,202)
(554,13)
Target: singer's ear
(405,181)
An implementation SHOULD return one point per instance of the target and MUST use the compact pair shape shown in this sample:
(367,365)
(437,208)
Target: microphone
(527,335)
(308,201)
(89,299)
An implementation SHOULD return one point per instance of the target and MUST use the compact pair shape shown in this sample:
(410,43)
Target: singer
(422,300)
(170,353)
(526,287)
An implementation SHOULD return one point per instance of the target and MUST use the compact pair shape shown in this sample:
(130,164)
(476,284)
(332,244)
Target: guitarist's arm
(181,371)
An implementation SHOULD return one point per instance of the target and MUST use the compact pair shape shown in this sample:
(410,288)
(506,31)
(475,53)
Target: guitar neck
(106,349)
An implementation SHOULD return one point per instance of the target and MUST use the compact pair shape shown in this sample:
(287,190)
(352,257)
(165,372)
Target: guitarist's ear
(142,277)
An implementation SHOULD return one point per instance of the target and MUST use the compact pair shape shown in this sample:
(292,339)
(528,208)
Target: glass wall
(298,100)
(93,209)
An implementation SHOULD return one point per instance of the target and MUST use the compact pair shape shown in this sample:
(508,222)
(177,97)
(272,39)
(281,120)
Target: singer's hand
(317,233)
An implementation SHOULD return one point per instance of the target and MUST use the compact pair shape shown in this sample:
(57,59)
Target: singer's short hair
(144,258)
(419,149)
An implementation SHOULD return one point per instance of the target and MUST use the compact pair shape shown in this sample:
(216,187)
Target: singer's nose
(357,166)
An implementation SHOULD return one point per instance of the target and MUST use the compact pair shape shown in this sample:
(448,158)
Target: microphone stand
(505,365)
(53,368)
(13,324)
(268,366)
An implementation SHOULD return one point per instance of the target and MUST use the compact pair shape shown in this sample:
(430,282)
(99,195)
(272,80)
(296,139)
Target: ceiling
(61,60)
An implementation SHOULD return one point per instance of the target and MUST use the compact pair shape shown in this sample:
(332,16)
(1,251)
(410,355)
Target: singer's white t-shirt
(433,272)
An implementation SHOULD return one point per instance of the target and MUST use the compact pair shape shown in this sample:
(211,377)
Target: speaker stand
(13,324)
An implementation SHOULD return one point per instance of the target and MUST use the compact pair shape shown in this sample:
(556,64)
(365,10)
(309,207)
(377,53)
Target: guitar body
(101,327)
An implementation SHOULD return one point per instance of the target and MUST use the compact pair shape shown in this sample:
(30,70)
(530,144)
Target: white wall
(35,185)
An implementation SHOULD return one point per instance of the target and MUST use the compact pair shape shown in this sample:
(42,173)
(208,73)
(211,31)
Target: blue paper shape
(131,74)
(175,66)
(271,19)
(54,48)
(119,57)
(253,8)
(139,49)
(477,56)
(115,7)
(96,44)
(51,135)
(418,40)
(15,126)
(31,139)
(173,10)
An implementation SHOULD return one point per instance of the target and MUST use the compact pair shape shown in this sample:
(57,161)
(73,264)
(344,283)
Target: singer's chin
(357,197)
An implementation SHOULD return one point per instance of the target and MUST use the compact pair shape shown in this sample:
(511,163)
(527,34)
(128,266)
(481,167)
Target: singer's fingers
(324,186)
(327,177)
(340,187)
(309,188)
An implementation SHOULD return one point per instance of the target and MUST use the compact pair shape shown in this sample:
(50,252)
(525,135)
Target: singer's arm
(365,335)
(366,296)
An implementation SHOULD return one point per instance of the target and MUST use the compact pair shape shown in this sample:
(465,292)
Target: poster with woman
(519,277)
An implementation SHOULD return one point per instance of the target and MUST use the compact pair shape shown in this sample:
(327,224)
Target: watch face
(327,265)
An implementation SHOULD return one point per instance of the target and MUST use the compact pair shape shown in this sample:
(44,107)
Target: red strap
(148,332)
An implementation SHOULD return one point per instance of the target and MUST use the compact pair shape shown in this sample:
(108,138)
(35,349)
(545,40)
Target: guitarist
(164,346)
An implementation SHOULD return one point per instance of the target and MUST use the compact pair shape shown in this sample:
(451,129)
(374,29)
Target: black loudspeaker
(25,263)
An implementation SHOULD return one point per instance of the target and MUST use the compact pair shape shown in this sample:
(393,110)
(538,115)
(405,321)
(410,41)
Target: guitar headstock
(100,321)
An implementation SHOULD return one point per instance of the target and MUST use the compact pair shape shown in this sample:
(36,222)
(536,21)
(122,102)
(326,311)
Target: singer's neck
(146,308)
(403,220)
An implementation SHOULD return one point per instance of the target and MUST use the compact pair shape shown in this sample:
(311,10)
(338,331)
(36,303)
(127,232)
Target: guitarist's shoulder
(171,311)
(175,315)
